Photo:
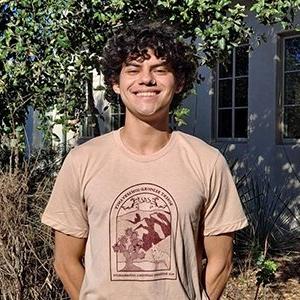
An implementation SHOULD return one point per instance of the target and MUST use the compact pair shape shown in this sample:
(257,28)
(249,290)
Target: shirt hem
(63,228)
(226,228)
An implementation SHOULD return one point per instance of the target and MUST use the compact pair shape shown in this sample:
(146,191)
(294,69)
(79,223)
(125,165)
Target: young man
(144,204)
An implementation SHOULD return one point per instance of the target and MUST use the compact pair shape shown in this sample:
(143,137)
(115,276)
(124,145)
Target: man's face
(147,87)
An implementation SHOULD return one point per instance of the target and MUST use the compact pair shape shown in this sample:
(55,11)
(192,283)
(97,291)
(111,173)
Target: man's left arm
(218,249)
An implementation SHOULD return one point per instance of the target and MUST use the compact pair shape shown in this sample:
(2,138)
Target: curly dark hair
(134,41)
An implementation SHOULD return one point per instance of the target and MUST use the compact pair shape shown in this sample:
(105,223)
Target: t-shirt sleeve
(66,211)
(223,212)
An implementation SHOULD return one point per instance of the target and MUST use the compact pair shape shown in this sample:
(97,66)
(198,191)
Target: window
(111,118)
(232,95)
(291,88)
(117,116)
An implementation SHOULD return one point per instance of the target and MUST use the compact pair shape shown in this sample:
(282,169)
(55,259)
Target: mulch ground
(242,284)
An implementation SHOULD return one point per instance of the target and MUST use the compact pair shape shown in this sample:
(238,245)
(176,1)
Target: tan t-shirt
(142,215)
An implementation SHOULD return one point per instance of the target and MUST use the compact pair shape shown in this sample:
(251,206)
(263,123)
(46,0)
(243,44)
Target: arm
(218,250)
(68,254)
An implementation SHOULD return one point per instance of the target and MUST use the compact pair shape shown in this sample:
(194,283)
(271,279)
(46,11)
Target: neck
(143,137)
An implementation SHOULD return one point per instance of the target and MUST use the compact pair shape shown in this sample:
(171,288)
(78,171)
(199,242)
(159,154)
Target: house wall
(262,153)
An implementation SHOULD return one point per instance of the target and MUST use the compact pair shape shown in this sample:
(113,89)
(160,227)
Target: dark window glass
(233,76)
(225,70)
(241,91)
(115,122)
(122,120)
(225,93)
(292,88)
(240,123)
(292,122)
(117,116)
(292,54)
(241,61)
(225,123)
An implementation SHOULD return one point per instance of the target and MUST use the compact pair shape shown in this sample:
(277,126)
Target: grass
(26,270)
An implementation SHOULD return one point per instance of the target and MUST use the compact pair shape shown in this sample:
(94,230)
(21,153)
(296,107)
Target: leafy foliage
(267,269)
(180,115)
(48,50)
(272,12)
(266,272)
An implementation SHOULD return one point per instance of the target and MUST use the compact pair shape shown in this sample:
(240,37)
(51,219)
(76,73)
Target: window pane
(115,122)
(292,122)
(122,122)
(225,93)
(117,116)
(225,123)
(241,61)
(225,70)
(241,91)
(292,54)
(292,88)
(241,123)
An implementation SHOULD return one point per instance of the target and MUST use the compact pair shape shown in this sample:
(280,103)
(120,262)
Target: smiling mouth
(146,94)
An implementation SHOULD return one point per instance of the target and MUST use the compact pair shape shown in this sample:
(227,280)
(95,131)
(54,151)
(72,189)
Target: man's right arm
(68,254)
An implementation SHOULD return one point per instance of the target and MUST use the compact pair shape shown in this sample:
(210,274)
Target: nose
(147,78)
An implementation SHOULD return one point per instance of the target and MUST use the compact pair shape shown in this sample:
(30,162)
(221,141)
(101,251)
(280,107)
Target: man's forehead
(141,57)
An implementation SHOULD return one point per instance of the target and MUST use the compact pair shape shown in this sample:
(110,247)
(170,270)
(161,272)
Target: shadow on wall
(279,162)
(268,180)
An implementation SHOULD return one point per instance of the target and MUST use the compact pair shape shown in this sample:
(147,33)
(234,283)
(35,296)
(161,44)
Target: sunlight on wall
(288,167)
(260,159)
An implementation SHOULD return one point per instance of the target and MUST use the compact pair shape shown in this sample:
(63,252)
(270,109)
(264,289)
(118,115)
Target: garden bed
(242,284)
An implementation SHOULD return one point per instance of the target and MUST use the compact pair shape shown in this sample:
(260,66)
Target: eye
(131,71)
(161,70)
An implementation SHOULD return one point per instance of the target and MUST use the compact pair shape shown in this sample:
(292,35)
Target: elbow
(60,268)
(228,268)
(66,266)
(227,265)
(220,268)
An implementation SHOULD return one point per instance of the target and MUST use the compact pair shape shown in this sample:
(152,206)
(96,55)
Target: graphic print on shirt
(143,224)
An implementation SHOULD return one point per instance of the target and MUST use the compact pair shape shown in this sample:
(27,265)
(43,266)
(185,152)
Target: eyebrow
(136,64)
(130,63)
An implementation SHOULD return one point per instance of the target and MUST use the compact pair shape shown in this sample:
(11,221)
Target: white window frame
(282,37)
(233,107)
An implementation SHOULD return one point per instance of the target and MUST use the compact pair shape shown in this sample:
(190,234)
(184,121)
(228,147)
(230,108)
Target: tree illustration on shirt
(130,245)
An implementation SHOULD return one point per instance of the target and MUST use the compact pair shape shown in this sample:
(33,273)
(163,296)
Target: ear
(116,88)
(180,85)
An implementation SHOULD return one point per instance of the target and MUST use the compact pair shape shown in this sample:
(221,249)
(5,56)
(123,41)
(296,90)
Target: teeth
(145,94)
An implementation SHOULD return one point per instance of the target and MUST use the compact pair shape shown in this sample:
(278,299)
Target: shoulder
(200,155)
(92,152)
(93,145)
(197,146)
